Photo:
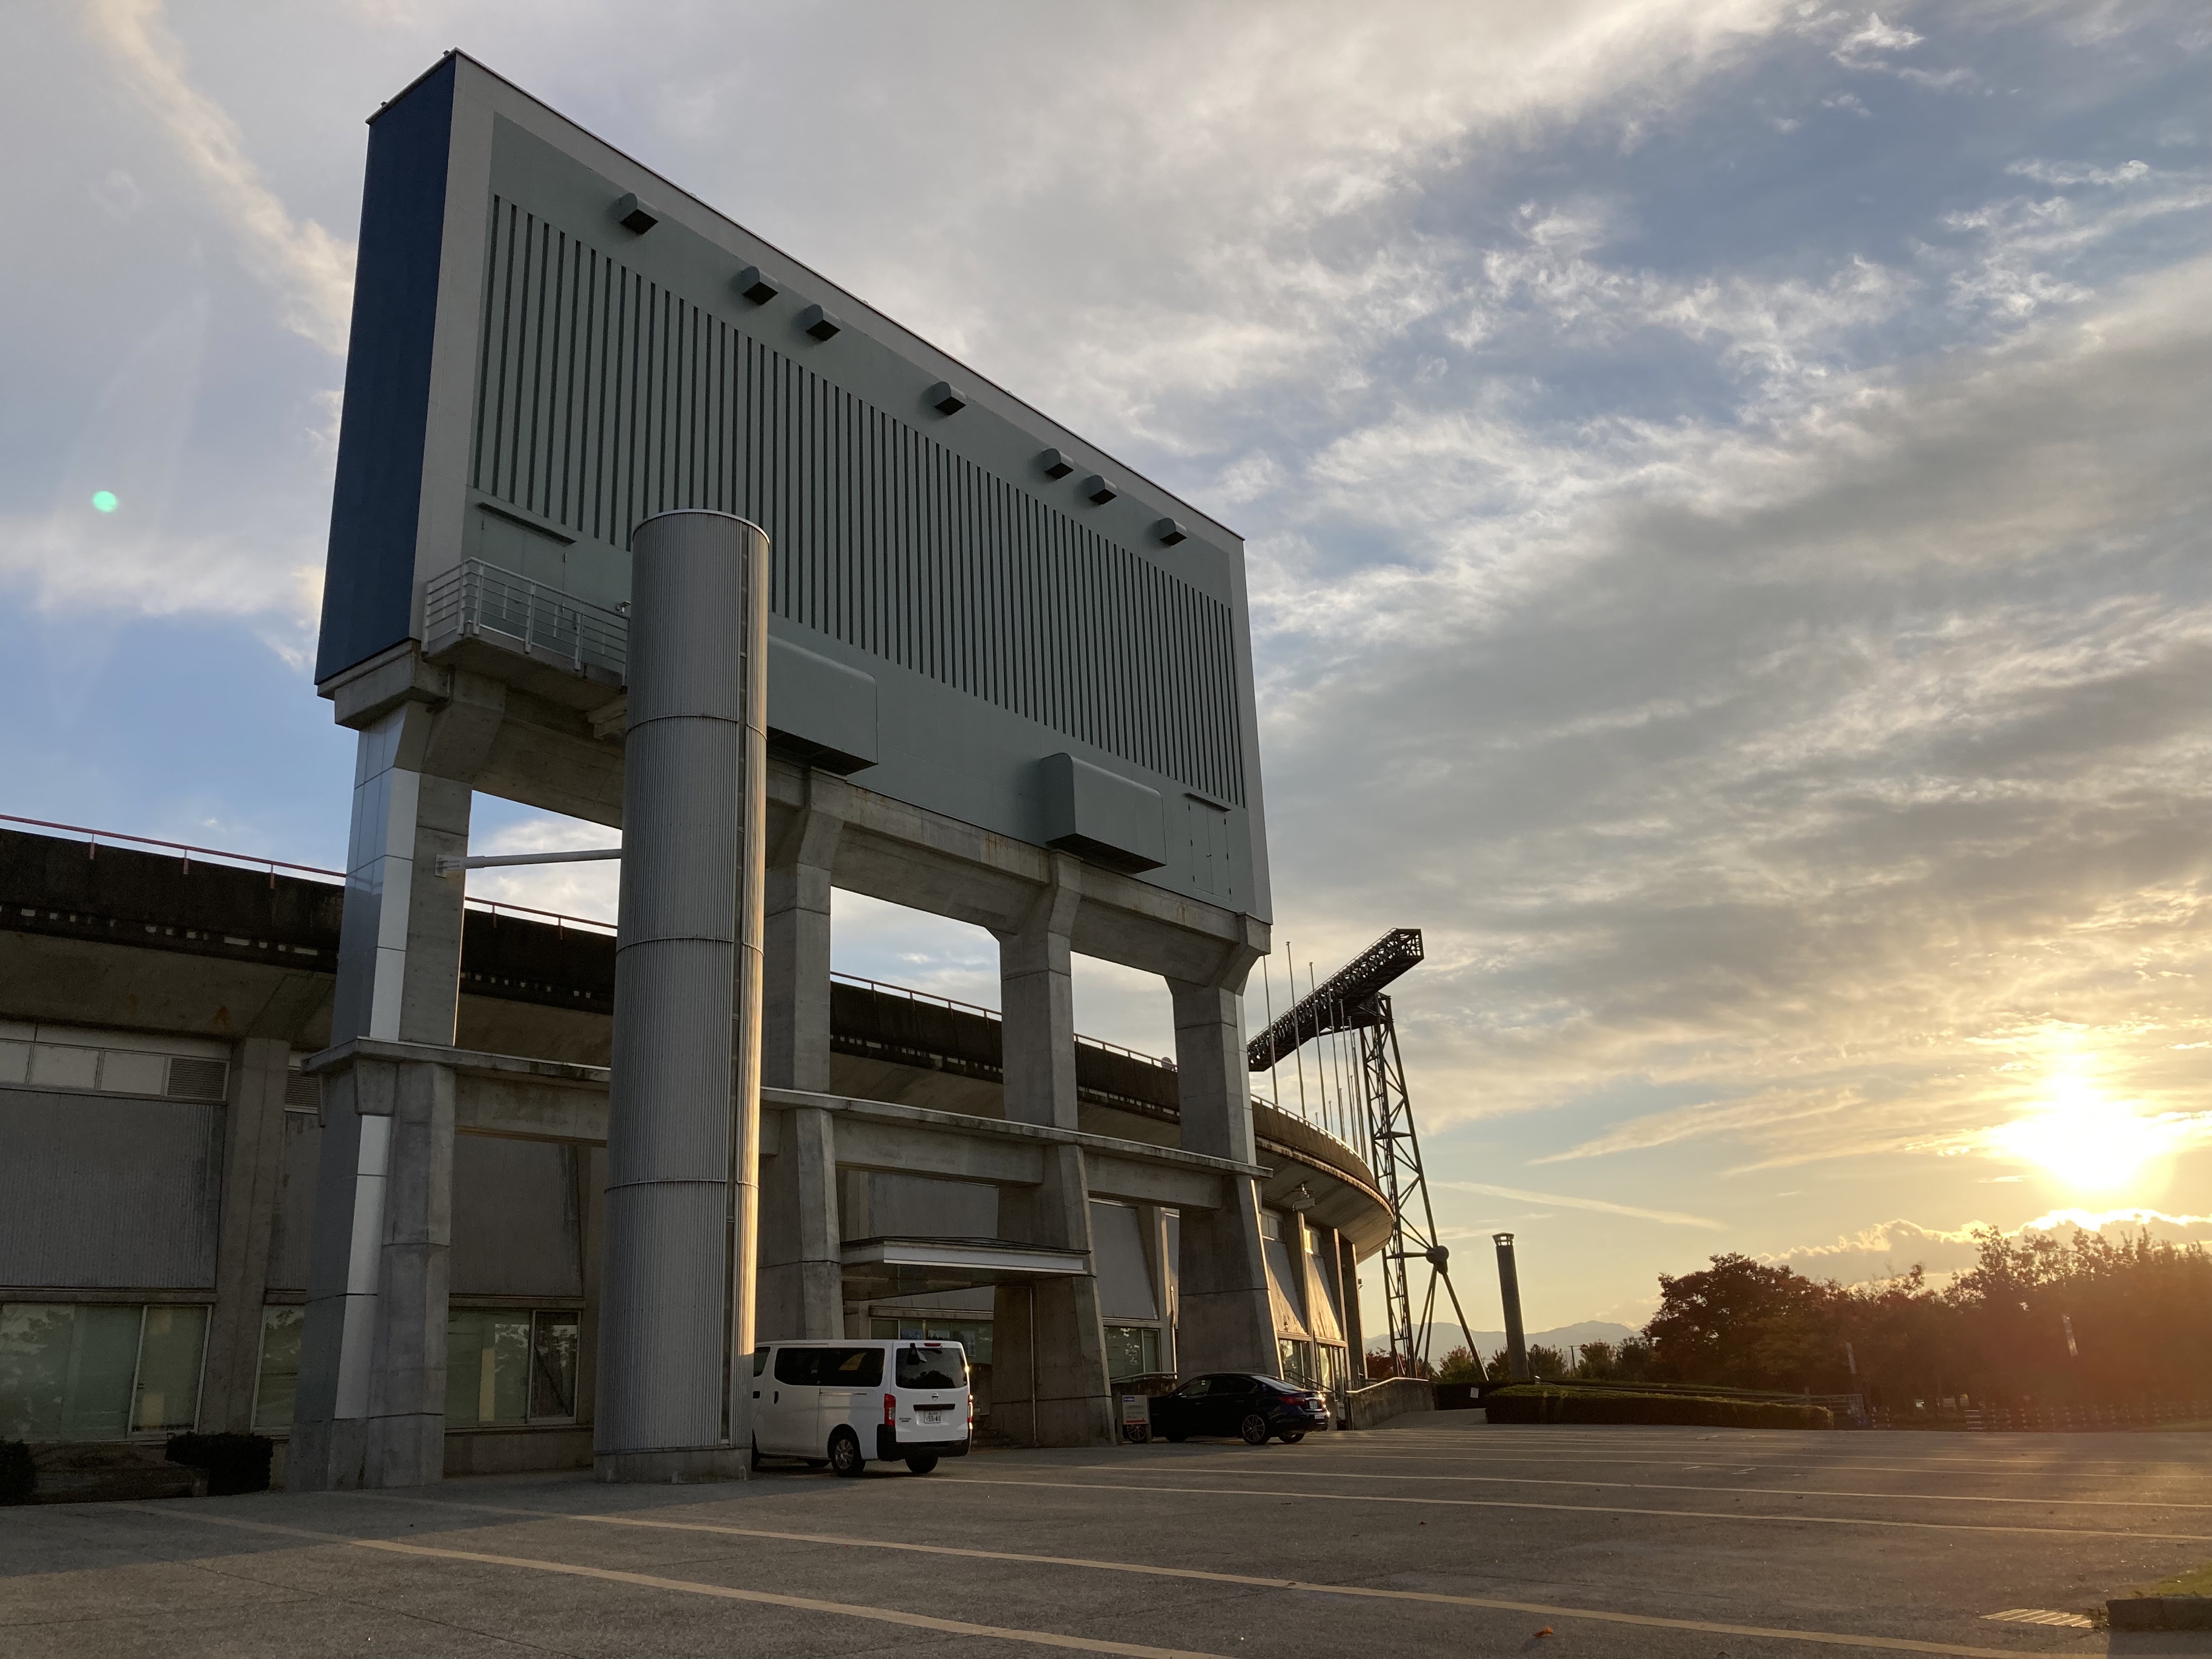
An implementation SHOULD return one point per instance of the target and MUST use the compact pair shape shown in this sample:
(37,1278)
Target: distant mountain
(1444,1338)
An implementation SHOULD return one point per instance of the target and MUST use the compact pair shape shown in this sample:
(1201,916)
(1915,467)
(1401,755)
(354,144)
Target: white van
(842,1403)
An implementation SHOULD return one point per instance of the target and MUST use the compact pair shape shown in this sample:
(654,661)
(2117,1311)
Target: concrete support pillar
(802,1264)
(400,955)
(795,997)
(253,1169)
(1051,1333)
(372,1412)
(1227,1322)
(677,1315)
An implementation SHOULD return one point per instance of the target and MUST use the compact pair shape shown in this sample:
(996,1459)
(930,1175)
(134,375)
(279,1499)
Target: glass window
(64,1065)
(1335,1369)
(1271,1225)
(125,1072)
(1131,1351)
(851,1367)
(553,1367)
(487,1363)
(1197,1388)
(66,1371)
(98,1371)
(760,1361)
(932,1367)
(168,1394)
(280,1368)
(795,1366)
(1297,1362)
(974,1335)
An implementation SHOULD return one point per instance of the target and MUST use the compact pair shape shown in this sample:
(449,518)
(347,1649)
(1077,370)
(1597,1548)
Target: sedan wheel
(1291,1439)
(1254,1430)
(922,1463)
(845,1457)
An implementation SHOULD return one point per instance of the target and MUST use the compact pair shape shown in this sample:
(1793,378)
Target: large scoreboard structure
(973,610)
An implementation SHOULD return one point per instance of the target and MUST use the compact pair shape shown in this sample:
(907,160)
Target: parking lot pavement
(1437,1535)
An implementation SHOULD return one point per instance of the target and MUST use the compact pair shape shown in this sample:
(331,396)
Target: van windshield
(933,1368)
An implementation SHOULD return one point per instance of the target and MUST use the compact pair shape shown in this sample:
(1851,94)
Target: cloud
(1788,761)
(310,270)
(1876,36)
(1669,1217)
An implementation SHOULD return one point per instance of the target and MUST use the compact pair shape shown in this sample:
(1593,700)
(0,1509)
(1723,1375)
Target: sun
(2086,1140)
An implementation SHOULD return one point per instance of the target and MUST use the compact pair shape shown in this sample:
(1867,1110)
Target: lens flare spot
(103,501)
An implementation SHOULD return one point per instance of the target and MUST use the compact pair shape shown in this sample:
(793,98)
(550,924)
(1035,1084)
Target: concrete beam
(551,755)
(527,1099)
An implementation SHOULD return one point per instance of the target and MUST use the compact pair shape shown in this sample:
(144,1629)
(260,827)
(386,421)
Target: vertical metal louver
(604,398)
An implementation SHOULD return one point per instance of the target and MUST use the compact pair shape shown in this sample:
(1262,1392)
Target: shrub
(234,1463)
(19,1476)
(1530,1403)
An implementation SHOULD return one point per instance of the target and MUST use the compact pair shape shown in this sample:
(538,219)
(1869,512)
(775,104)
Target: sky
(1726,487)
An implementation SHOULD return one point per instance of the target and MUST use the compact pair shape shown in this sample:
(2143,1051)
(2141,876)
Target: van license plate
(931,1415)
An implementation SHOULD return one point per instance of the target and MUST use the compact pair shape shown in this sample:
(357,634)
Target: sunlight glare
(2085,1139)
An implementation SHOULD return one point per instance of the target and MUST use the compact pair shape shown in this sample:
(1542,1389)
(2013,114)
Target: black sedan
(1258,1408)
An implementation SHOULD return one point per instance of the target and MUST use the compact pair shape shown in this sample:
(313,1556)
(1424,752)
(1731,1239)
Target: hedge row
(1537,1404)
(19,1477)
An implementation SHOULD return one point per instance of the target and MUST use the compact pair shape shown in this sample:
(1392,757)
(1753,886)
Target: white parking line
(1361,1592)
(688,1587)
(1662,1485)
(1760,1517)
(1737,1463)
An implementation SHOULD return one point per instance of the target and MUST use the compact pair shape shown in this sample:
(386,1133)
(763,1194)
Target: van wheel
(922,1463)
(1254,1430)
(845,1457)
(1291,1439)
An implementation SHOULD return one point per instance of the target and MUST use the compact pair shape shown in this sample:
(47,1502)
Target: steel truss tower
(1351,999)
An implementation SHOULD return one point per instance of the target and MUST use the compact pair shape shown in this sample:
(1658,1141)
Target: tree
(1459,1366)
(1746,1324)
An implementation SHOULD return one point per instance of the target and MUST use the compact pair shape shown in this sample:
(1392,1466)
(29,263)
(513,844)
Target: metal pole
(683,1101)
(745,1021)
(448,863)
(1035,1440)
(1508,1291)
(1274,1077)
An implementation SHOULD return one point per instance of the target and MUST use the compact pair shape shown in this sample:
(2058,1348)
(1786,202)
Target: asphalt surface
(1437,1535)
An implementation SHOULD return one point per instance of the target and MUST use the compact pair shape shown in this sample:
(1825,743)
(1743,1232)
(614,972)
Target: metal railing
(186,852)
(476,600)
(913,995)
(251,861)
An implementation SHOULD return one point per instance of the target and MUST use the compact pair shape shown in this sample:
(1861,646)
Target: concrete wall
(1393,1397)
